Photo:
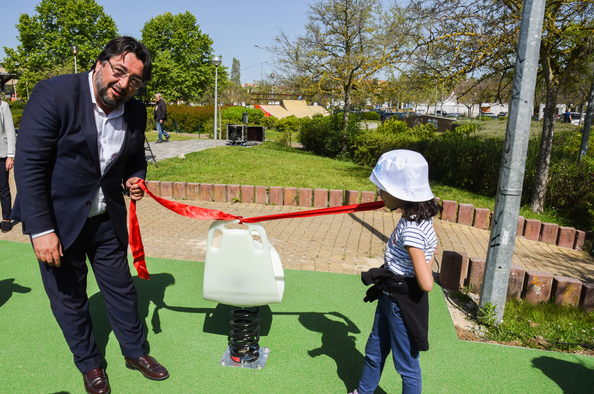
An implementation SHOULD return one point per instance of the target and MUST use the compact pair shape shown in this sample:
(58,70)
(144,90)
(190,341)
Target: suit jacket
(58,173)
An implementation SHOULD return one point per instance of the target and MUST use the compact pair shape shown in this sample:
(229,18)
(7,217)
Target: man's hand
(48,249)
(136,193)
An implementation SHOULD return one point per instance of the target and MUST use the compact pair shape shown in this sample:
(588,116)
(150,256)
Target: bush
(471,161)
(235,115)
(269,122)
(285,138)
(290,123)
(328,136)
(190,119)
(371,115)
(464,127)
(393,134)
(465,160)
(16,108)
(571,191)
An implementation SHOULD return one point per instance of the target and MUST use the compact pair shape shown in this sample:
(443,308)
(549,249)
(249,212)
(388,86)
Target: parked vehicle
(441,113)
(454,115)
(575,118)
(502,113)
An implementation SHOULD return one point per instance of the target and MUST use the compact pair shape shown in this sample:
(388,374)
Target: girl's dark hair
(420,211)
(122,45)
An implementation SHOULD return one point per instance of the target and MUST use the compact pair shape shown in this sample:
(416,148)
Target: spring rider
(242,269)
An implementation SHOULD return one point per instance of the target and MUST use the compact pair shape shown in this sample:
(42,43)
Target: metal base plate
(258,364)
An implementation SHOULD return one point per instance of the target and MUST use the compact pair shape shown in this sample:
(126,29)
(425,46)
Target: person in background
(7,148)
(80,148)
(160,117)
(567,116)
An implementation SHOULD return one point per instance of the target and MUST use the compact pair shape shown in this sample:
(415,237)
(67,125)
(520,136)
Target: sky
(235,26)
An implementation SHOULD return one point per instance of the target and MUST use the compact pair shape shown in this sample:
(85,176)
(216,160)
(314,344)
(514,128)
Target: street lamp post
(216,61)
(74,50)
(261,62)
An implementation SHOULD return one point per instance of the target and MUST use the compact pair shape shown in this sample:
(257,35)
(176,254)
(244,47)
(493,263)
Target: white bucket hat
(404,174)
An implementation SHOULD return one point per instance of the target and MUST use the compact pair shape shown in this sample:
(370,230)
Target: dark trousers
(5,200)
(66,287)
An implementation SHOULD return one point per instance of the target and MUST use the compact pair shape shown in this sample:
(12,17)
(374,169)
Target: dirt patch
(462,311)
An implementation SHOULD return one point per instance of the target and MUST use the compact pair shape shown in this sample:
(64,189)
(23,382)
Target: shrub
(464,127)
(393,134)
(269,122)
(235,115)
(328,136)
(465,160)
(571,191)
(190,119)
(285,138)
(371,115)
(288,123)
(16,108)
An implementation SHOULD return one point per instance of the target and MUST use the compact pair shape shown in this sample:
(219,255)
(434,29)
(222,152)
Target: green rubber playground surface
(316,338)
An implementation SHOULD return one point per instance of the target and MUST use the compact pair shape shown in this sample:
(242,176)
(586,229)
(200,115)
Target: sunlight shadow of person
(571,377)
(148,291)
(338,344)
(8,287)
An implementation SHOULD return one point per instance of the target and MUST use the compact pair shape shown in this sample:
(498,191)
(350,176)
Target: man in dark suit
(80,148)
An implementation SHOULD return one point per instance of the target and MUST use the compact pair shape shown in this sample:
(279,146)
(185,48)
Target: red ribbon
(135,238)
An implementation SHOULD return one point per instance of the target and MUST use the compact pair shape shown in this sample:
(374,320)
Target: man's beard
(102,88)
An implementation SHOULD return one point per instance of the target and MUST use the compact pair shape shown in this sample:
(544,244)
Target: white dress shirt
(111,130)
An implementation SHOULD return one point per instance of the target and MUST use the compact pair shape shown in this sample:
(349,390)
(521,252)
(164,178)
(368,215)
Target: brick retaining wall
(466,214)
(457,270)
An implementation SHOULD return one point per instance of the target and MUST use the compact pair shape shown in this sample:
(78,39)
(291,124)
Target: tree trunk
(347,105)
(544,155)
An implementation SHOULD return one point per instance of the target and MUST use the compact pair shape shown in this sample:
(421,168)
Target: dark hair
(122,45)
(420,211)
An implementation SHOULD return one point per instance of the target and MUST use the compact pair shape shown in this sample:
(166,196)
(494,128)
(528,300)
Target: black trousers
(5,200)
(66,287)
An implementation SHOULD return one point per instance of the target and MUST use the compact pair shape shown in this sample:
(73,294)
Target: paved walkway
(167,150)
(346,243)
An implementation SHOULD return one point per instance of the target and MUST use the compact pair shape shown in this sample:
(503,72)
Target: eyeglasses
(121,74)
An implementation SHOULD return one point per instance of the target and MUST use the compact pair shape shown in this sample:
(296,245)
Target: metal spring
(244,336)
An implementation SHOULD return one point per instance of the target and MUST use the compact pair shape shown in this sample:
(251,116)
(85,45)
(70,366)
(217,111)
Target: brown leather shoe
(149,367)
(96,381)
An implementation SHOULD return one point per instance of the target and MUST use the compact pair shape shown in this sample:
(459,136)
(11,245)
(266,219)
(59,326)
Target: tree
(481,36)
(46,37)
(345,43)
(181,56)
(235,73)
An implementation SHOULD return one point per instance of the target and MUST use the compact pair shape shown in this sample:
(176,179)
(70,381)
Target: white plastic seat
(242,270)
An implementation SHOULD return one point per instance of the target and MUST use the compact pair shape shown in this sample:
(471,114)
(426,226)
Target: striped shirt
(407,233)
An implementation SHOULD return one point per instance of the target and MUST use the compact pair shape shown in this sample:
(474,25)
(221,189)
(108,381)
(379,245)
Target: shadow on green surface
(8,288)
(564,373)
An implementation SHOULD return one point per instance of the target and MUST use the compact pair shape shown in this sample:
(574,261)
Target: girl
(402,283)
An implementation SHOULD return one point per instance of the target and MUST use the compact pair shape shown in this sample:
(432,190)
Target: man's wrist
(41,234)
